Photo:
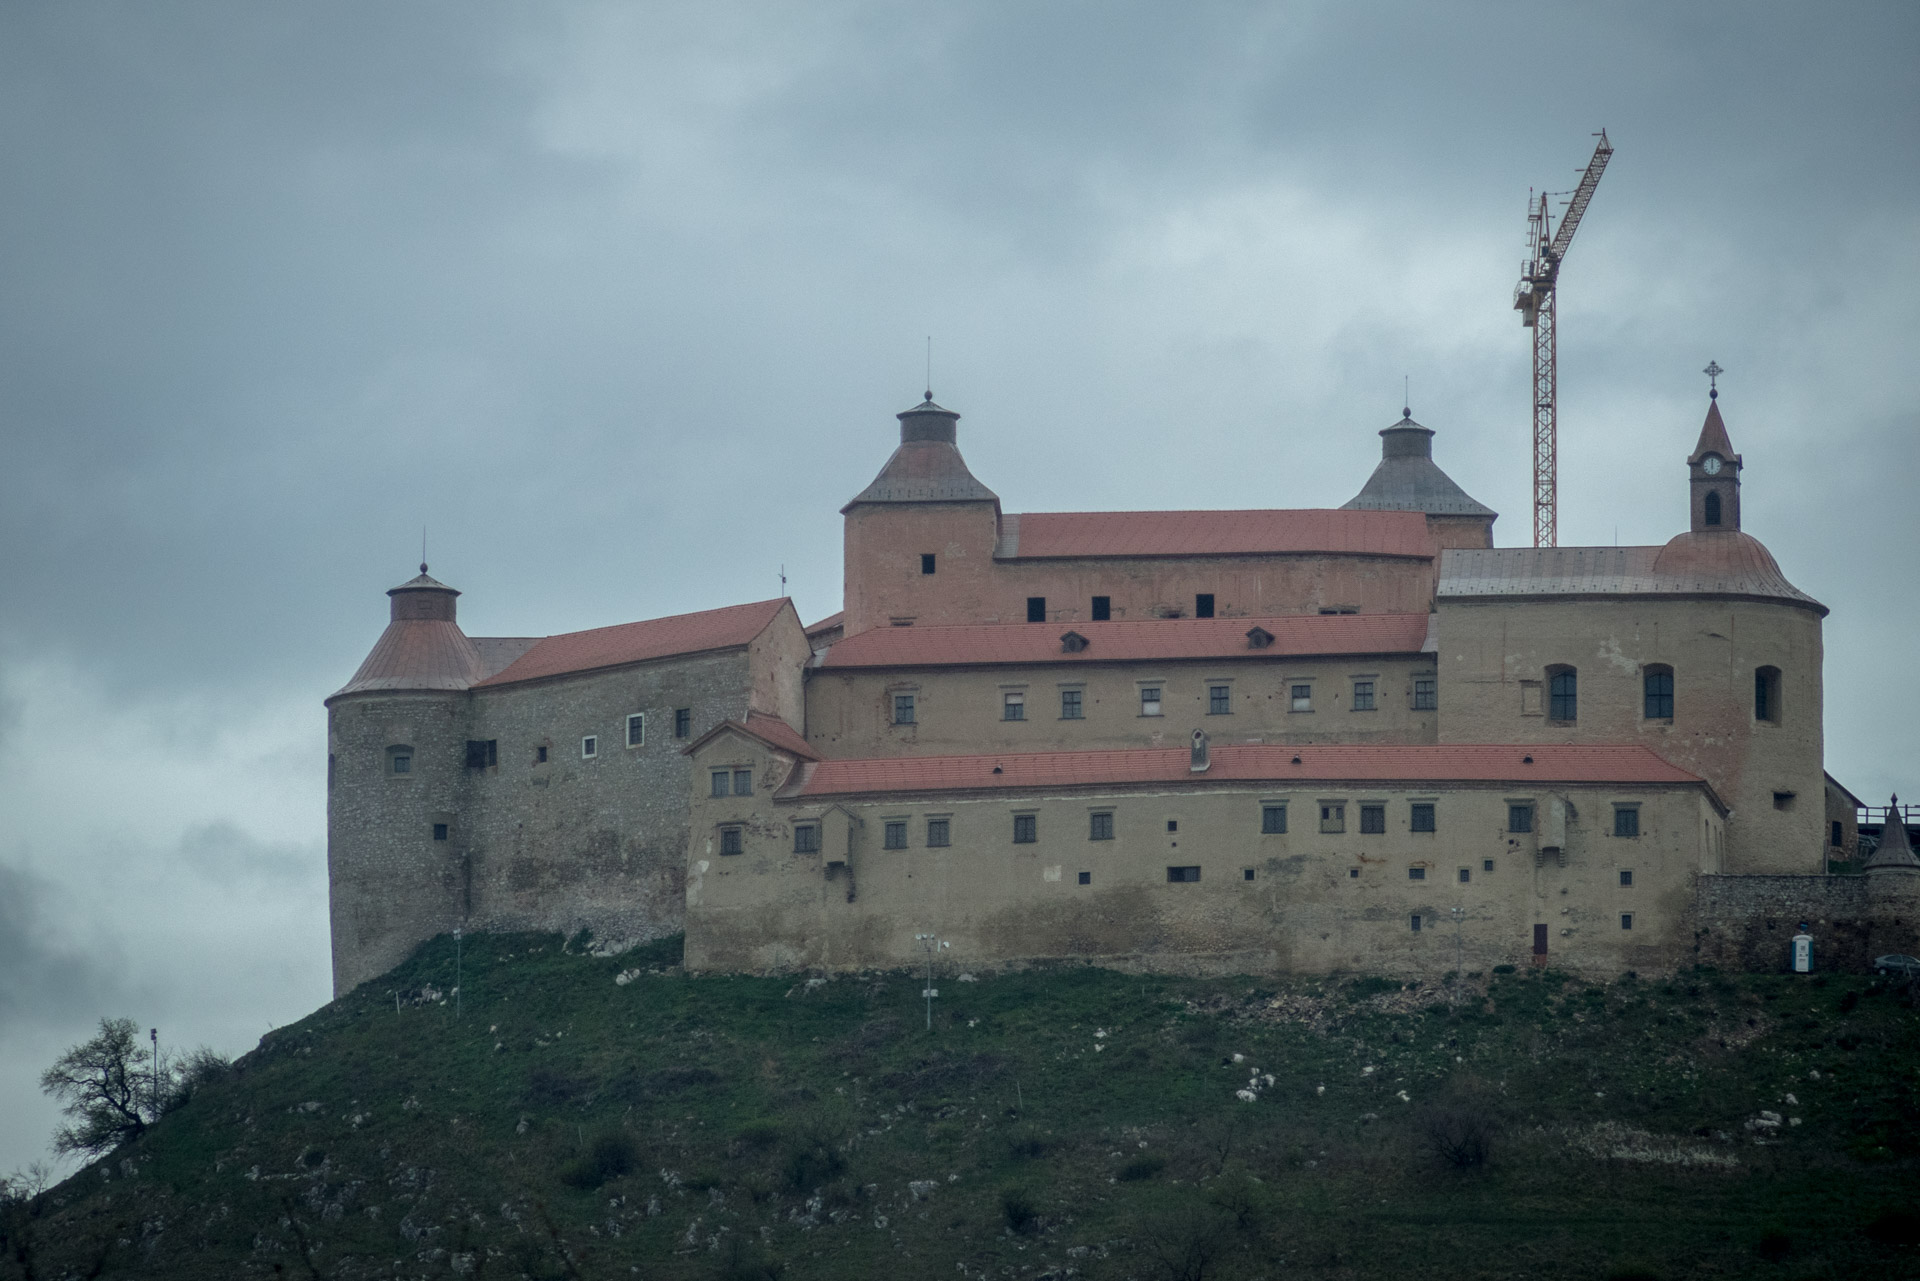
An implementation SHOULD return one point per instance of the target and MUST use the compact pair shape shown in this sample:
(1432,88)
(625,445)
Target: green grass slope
(602,1117)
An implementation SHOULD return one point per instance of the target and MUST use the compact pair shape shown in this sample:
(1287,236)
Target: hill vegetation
(569,1115)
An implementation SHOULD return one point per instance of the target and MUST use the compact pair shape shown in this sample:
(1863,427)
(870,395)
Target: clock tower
(1715,473)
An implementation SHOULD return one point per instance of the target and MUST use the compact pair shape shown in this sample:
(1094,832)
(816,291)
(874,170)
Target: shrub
(612,1154)
(1142,1167)
(1504,969)
(1021,1213)
(1026,1144)
(1374,986)
(1458,1133)
(813,1154)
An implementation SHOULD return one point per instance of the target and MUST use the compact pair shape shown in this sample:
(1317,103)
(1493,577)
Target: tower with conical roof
(1894,856)
(1715,475)
(1408,480)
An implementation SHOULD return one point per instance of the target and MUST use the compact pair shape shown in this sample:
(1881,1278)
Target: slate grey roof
(1727,563)
(1895,851)
(1408,479)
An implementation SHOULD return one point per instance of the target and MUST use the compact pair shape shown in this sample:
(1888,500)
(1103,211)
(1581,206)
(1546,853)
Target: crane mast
(1533,298)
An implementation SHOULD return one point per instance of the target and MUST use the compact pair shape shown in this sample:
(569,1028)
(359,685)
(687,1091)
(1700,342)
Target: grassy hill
(601,1117)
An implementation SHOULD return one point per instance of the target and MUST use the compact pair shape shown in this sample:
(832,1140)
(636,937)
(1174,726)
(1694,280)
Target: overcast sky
(619,302)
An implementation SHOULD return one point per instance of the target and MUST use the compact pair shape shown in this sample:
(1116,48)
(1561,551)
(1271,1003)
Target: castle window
(1426,694)
(1203,605)
(926,562)
(743,782)
(1102,608)
(1363,696)
(1013,706)
(1712,506)
(1783,800)
(1519,818)
(1036,609)
(1150,701)
(1766,695)
(331,763)
(1626,920)
(1100,825)
(1563,694)
(1626,821)
(1173,825)
(1657,685)
(938,833)
(637,729)
(1302,697)
(1486,865)
(682,722)
(1086,878)
(1246,874)
(1353,873)
(399,760)
(482,753)
(1626,877)
(589,747)
(439,831)
(1416,873)
(1839,831)
(806,838)
(1026,829)
(1070,705)
(1373,820)
(1416,922)
(1219,700)
(1333,818)
(1273,820)
(540,755)
(896,834)
(732,840)
(1182,874)
(903,709)
(1422,816)
(1466,875)
(721,783)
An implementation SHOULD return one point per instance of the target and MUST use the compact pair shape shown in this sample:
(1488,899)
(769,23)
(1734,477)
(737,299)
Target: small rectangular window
(1416,874)
(1086,878)
(1273,820)
(903,709)
(402,762)
(637,729)
(1203,605)
(1519,818)
(1416,923)
(1246,874)
(1466,875)
(730,840)
(1422,816)
(1426,694)
(1838,839)
(1183,874)
(926,562)
(1333,818)
(896,838)
(1070,705)
(1783,800)
(1766,694)
(682,722)
(1659,694)
(1102,608)
(1036,609)
(1173,825)
(1026,829)
(482,753)
(1219,700)
(540,755)
(938,833)
(330,770)
(1100,827)
(590,746)
(1626,876)
(439,831)
(1486,865)
(1363,696)
(743,782)
(1373,820)
(721,783)
(1353,873)
(1013,706)
(1302,698)
(806,838)
(1626,820)
(1626,920)
(1150,702)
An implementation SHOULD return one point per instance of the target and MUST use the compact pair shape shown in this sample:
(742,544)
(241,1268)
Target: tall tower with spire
(1715,469)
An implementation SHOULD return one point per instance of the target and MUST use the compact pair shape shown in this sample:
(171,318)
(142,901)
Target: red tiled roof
(769,729)
(418,653)
(827,624)
(1270,763)
(1214,533)
(637,642)
(1293,635)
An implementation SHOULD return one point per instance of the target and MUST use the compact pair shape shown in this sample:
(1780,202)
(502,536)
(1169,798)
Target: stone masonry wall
(1748,922)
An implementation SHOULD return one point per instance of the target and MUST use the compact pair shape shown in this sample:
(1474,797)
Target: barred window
(937,832)
(682,722)
(730,840)
(896,834)
(1026,829)
(1626,876)
(1100,826)
(1626,820)
(806,838)
(743,782)
(1373,820)
(637,730)
(1416,874)
(1519,818)
(1273,820)
(1423,816)
(720,783)
(1363,696)
(1183,874)
(1426,694)
(1416,922)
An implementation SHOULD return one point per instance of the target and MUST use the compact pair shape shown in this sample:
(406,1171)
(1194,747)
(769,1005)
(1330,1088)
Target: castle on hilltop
(1352,739)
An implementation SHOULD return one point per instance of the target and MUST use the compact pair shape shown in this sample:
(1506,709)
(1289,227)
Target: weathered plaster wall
(1493,674)
(960,711)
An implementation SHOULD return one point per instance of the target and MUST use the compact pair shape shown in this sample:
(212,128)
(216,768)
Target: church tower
(1715,472)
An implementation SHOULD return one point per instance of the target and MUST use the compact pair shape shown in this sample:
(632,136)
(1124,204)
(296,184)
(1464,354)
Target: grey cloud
(45,978)
(222,852)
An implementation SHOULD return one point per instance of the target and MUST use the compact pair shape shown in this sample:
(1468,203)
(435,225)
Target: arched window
(1563,694)
(1713,509)
(1766,695)
(1658,686)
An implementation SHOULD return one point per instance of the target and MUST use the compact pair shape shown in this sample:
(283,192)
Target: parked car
(1897,963)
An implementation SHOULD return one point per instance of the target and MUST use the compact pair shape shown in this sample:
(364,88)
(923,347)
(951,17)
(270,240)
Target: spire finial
(1713,372)
(423,549)
(929,369)
(1406,396)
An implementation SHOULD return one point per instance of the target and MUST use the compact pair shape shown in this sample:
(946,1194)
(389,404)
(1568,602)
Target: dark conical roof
(1896,851)
(1408,480)
(423,647)
(927,468)
(1713,435)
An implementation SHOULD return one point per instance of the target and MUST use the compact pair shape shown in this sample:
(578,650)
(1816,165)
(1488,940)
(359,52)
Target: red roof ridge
(772,730)
(623,643)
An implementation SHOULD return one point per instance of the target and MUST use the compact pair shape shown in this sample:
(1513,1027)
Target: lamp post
(153,1093)
(930,944)
(456,972)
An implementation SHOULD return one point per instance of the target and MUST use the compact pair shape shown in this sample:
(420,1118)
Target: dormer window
(1258,638)
(1073,643)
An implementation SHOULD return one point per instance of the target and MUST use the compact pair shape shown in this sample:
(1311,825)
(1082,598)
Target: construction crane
(1533,299)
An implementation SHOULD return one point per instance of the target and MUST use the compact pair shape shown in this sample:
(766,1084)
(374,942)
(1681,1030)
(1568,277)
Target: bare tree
(107,1086)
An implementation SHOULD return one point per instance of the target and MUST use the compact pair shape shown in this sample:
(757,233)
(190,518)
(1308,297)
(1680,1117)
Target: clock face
(1711,466)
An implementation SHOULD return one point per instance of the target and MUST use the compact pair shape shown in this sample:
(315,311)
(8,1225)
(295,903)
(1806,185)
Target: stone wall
(1748,922)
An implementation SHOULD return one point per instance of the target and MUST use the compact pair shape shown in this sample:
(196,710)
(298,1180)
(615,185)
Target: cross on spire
(1713,372)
